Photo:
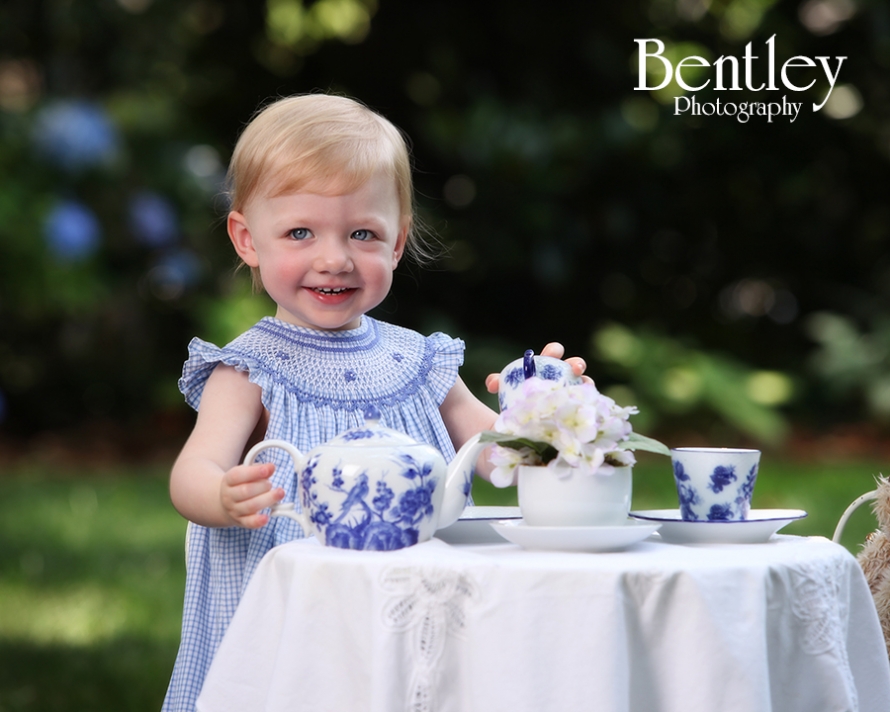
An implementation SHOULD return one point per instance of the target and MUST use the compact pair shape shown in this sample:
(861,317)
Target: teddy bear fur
(875,557)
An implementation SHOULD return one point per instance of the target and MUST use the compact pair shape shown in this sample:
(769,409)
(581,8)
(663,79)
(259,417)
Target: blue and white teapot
(375,488)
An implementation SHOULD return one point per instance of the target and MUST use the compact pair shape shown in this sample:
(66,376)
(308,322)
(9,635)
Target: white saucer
(760,525)
(472,527)
(607,538)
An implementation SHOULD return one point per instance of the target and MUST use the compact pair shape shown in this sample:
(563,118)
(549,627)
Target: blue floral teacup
(531,366)
(715,484)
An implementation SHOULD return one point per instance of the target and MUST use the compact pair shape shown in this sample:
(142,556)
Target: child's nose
(332,257)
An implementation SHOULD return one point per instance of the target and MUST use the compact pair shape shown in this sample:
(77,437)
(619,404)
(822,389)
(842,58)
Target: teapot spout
(459,481)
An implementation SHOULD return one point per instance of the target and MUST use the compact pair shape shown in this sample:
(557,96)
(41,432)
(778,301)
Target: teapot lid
(372,433)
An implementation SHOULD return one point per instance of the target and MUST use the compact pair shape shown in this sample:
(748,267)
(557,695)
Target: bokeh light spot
(153,219)
(769,388)
(459,191)
(75,135)
(72,231)
(681,385)
(844,103)
(824,17)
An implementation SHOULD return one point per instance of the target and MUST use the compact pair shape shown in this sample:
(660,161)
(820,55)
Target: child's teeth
(337,290)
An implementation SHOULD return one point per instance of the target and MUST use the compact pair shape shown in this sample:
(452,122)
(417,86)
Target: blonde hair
(322,142)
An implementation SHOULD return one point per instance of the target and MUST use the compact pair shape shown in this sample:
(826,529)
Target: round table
(784,626)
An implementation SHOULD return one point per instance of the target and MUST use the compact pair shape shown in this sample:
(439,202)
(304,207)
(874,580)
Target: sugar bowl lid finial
(528,364)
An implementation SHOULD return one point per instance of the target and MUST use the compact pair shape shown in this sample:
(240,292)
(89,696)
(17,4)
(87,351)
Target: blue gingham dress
(315,385)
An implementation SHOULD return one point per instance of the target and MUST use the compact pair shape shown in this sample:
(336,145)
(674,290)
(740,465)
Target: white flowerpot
(581,499)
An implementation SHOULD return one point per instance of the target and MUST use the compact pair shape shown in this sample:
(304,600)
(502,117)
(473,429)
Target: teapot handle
(283,509)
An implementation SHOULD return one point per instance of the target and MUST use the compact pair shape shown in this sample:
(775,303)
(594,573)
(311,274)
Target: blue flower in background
(75,135)
(153,220)
(174,273)
(3,407)
(72,231)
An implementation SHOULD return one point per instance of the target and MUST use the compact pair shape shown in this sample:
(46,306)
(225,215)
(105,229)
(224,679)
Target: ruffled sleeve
(204,357)
(447,358)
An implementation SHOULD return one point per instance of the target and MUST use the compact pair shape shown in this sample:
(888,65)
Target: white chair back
(839,530)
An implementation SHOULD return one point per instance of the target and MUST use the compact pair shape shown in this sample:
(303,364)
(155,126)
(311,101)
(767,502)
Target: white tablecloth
(786,626)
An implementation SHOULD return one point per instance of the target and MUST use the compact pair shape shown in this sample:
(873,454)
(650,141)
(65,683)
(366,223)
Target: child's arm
(464,414)
(208,486)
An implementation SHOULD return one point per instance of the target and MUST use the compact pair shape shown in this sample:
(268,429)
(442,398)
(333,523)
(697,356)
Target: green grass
(91,584)
(92,573)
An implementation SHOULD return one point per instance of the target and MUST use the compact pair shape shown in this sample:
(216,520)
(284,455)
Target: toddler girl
(322,211)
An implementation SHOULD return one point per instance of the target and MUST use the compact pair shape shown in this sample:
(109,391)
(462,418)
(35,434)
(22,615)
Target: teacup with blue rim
(715,484)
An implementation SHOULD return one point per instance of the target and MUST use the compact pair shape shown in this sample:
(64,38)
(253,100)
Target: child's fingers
(247,512)
(578,364)
(253,505)
(249,473)
(557,350)
(246,490)
(253,521)
(249,490)
(553,349)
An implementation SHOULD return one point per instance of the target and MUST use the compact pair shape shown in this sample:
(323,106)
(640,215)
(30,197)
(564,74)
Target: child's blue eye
(362,235)
(299,233)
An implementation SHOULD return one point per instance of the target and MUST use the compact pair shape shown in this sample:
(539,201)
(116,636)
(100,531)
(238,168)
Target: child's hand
(554,349)
(245,490)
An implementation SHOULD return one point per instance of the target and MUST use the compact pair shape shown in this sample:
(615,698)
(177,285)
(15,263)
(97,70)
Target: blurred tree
(566,200)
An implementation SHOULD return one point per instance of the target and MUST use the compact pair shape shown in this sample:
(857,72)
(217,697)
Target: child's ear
(401,241)
(239,234)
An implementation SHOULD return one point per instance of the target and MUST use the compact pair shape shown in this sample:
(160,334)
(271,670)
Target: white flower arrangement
(572,428)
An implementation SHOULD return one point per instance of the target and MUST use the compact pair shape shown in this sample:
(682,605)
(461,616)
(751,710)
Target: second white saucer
(760,525)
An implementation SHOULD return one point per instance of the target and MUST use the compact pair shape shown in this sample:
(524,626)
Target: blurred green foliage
(851,362)
(668,379)
(566,200)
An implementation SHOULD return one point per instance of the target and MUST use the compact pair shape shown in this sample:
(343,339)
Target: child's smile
(332,295)
(324,258)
